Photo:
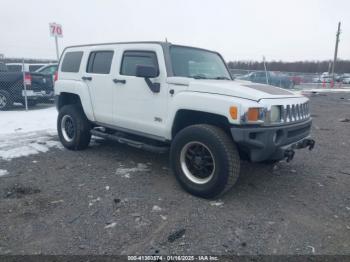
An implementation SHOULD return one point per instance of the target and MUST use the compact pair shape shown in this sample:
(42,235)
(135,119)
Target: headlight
(254,115)
(275,114)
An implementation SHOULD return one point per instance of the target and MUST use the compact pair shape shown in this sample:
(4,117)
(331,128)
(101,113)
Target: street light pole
(336,51)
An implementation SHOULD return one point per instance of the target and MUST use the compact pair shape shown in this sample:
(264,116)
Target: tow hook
(289,154)
(311,144)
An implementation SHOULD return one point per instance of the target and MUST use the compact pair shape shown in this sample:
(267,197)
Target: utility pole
(265,68)
(336,50)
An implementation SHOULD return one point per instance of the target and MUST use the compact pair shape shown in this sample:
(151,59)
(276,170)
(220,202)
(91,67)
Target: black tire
(6,101)
(225,161)
(72,117)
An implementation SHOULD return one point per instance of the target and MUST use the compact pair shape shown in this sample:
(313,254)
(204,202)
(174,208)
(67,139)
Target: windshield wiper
(199,77)
(222,78)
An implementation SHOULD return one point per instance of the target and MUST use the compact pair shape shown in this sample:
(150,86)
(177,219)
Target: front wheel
(73,127)
(205,160)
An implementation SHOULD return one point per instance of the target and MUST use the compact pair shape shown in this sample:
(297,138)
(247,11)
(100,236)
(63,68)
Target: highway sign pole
(56,32)
(57,50)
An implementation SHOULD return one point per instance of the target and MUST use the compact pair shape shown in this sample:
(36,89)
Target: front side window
(132,59)
(197,63)
(100,62)
(71,62)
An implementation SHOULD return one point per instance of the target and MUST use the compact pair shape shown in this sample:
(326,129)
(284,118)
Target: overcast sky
(240,30)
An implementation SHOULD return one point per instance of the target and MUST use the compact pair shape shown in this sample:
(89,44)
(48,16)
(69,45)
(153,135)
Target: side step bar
(130,142)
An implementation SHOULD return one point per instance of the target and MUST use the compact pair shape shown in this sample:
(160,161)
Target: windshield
(197,63)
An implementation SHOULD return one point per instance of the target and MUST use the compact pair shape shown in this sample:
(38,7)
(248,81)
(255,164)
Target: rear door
(100,81)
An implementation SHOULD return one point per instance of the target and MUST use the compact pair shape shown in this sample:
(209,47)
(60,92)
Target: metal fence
(22,87)
(299,80)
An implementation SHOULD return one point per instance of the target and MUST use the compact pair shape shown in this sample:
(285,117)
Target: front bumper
(273,143)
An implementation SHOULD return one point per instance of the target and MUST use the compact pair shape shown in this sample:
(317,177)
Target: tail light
(27,79)
(55,78)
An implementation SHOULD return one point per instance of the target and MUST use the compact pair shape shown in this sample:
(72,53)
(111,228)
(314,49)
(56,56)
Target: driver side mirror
(148,72)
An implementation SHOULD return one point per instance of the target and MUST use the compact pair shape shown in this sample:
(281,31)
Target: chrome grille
(295,112)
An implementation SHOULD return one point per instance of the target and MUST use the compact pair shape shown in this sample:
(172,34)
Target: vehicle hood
(235,88)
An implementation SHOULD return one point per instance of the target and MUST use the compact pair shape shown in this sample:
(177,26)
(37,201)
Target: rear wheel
(5,100)
(73,127)
(205,160)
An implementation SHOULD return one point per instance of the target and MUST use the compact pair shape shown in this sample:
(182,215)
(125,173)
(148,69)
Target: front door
(137,108)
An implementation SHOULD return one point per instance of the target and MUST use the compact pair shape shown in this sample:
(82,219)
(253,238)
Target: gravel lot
(113,199)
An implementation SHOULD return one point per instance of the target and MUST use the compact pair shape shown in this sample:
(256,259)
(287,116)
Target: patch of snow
(57,201)
(107,188)
(216,203)
(156,208)
(3,172)
(111,225)
(25,144)
(93,201)
(21,121)
(24,133)
(322,90)
(312,249)
(125,172)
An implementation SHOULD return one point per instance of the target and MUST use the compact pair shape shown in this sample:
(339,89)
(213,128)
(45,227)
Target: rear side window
(71,62)
(100,62)
(14,68)
(131,59)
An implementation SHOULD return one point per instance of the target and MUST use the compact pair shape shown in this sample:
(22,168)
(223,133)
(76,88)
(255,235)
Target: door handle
(88,78)
(121,81)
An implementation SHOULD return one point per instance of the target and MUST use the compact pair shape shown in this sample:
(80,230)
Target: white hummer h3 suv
(158,96)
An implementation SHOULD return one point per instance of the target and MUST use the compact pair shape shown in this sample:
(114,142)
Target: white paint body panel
(134,107)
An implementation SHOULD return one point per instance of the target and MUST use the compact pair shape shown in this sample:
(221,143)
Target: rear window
(33,68)
(131,59)
(71,62)
(48,70)
(100,62)
(14,68)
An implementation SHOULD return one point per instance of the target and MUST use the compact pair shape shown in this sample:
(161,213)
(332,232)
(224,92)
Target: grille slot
(295,112)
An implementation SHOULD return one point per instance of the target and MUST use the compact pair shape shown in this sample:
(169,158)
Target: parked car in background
(39,87)
(296,79)
(273,78)
(18,67)
(346,79)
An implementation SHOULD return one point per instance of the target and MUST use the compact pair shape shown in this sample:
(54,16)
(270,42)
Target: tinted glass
(3,67)
(14,68)
(48,70)
(131,59)
(33,68)
(100,62)
(197,63)
(71,62)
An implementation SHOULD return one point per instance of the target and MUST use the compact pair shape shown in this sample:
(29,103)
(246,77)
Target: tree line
(342,66)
